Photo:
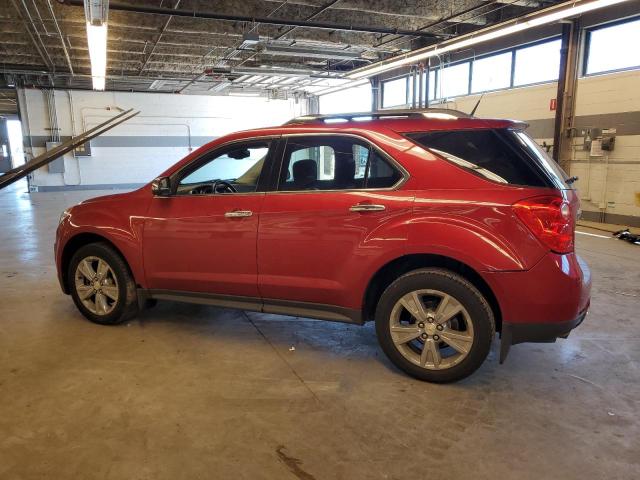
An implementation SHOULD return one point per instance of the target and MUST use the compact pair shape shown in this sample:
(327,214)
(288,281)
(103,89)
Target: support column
(376,94)
(567,86)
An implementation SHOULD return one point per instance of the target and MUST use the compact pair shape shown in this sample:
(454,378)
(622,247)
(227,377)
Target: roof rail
(379,114)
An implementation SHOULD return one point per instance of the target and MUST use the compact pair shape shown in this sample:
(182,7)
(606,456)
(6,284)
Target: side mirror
(161,187)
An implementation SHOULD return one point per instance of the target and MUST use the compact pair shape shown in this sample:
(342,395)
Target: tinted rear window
(498,155)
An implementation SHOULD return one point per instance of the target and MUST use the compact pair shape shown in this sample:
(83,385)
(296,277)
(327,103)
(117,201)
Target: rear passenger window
(334,163)
(492,154)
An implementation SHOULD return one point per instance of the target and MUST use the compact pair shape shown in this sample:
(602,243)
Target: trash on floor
(627,236)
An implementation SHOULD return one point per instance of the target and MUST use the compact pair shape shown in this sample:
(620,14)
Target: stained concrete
(198,392)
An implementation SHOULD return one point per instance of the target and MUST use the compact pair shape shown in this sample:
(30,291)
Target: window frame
(533,44)
(406,91)
(279,164)
(437,77)
(511,51)
(587,47)
(193,165)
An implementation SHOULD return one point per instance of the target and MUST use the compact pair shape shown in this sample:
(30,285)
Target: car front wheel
(434,325)
(101,285)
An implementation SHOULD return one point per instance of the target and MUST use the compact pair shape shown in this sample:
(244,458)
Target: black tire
(150,303)
(465,293)
(126,306)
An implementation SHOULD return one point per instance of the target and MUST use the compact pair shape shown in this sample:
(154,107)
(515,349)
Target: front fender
(119,219)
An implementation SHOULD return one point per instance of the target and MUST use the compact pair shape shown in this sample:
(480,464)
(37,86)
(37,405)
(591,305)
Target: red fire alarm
(553,104)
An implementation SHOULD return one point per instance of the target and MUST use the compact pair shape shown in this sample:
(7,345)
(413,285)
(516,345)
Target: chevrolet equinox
(442,228)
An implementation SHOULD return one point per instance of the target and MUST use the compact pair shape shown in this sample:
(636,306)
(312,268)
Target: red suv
(441,227)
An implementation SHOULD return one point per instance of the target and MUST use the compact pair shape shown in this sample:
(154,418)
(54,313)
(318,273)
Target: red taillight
(550,219)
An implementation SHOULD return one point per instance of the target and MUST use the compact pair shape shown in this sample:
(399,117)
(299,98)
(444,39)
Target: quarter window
(334,163)
(493,154)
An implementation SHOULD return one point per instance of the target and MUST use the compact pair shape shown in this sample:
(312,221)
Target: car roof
(368,124)
(400,121)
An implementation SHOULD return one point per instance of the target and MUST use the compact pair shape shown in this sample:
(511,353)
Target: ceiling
(43,42)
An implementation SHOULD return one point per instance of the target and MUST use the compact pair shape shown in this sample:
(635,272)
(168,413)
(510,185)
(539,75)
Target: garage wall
(609,186)
(167,128)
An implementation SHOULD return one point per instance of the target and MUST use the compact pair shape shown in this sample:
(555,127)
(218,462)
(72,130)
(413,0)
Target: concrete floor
(198,392)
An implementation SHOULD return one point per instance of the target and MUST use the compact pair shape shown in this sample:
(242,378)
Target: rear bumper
(543,303)
(514,333)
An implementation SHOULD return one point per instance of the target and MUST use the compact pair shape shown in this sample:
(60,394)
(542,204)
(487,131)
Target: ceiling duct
(309,52)
(250,41)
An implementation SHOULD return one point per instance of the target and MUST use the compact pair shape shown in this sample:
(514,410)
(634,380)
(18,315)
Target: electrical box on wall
(83,150)
(608,139)
(57,166)
(597,141)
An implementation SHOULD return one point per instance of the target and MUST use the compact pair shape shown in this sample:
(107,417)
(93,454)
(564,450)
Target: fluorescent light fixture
(97,40)
(547,16)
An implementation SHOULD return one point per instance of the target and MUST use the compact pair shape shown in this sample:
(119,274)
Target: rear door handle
(238,214)
(367,207)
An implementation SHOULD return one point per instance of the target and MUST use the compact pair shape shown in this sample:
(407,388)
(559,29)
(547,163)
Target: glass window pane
(483,152)
(394,93)
(432,85)
(491,73)
(333,163)
(381,174)
(539,63)
(239,167)
(604,47)
(357,99)
(454,81)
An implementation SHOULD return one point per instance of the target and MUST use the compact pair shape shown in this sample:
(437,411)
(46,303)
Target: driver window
(235,170)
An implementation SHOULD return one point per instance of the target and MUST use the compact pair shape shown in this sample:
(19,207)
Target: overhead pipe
(245,18)
(42,50)
(64,46)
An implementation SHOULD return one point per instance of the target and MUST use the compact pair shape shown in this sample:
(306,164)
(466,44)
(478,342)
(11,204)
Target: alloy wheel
(96,285)
(431,329)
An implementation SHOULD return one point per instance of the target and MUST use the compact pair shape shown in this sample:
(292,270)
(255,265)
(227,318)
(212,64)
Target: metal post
(567,84)
(376,94)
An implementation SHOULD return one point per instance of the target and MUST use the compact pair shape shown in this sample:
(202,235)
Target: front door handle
(238,214)
(367,207)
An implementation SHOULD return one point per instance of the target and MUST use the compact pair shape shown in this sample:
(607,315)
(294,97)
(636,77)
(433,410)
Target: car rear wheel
(101,285)
(434,325)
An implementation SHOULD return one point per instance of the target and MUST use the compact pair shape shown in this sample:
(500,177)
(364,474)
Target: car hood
(114,197)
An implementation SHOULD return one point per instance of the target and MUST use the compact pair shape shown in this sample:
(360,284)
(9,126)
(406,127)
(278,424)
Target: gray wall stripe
(130,141)
(541,128)
(626,123)
(616,219)
(101,186)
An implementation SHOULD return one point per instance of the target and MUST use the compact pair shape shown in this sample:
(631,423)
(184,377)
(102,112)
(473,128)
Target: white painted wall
(611,183)
(606,184)
(141,148)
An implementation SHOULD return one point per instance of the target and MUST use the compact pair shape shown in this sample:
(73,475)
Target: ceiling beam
(155,44)
(118,6)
